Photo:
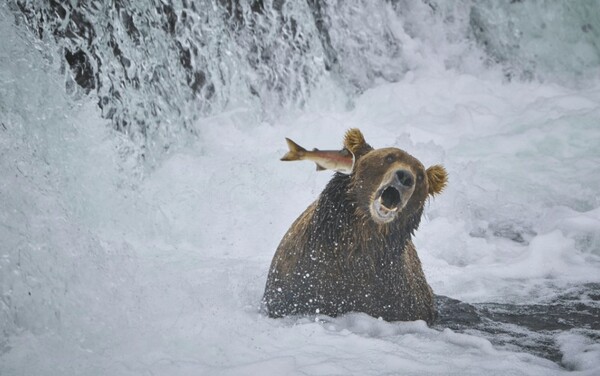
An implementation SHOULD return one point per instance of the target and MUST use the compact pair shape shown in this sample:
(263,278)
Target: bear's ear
(437,178)
(355,142)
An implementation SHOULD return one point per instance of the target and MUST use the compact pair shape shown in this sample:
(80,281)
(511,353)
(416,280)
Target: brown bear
(351,249)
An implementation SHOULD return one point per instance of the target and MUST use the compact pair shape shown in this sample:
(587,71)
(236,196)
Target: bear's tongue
(390,198)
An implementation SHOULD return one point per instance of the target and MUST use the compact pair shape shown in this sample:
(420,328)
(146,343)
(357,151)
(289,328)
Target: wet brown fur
(355,142)
(335,258)
(437,178)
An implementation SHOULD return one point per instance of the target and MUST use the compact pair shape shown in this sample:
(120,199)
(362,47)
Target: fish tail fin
(296,151)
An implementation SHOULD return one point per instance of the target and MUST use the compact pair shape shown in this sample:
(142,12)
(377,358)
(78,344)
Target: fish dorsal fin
(320,168)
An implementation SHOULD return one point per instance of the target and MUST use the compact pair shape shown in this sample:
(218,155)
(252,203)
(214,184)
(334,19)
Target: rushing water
(155,68)
(142,199)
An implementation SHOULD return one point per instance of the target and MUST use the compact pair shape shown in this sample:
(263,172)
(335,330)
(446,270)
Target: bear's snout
(392,195)
(405,178)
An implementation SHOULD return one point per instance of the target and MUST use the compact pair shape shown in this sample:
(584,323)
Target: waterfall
(141,196)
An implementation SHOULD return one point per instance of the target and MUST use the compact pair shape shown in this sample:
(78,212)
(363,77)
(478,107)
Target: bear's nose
(405,178)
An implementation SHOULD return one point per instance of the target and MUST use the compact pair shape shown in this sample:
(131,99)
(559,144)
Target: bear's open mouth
(387,203)
(390,198)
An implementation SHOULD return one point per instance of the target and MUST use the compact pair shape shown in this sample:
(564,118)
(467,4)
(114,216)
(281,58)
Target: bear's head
(389,183)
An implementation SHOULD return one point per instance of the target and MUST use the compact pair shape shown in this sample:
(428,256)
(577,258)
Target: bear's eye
(389,158)
(420,177)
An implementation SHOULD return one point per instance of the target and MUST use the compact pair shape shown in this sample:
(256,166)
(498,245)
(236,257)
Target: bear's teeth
(384,209)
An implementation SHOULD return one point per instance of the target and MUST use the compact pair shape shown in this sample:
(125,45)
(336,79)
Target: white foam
(164,275)
(580,352)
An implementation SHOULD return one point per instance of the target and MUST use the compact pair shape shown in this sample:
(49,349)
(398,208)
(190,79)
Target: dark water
(531,328)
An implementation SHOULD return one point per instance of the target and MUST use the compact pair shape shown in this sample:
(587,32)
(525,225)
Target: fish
(336,160)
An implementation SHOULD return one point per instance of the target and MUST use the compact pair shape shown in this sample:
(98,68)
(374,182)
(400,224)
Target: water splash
(157,67)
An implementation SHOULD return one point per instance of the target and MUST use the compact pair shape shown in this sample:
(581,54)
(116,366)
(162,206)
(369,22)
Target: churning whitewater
(142,197)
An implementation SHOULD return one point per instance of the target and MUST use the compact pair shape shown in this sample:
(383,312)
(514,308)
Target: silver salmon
(336,160)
